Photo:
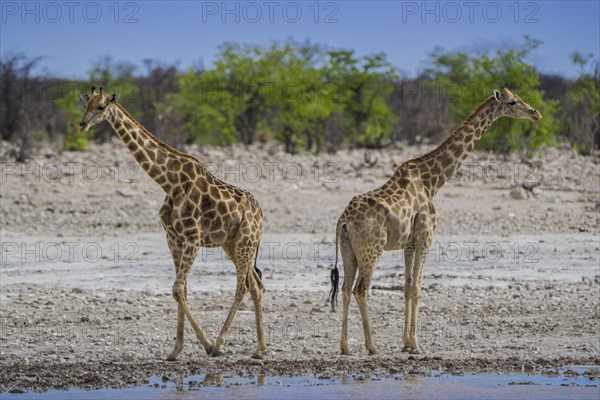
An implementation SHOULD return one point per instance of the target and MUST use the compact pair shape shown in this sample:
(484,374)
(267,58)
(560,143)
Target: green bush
(73,141)
(468,79)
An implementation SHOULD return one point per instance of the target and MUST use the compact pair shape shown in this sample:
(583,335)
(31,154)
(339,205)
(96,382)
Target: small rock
(518,193)
(123,194)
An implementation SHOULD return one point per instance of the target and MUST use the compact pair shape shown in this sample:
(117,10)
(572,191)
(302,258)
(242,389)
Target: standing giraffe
(400,215)
(199,210)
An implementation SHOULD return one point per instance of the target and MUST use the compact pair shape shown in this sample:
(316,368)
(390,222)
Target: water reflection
(213,380)
(575,382)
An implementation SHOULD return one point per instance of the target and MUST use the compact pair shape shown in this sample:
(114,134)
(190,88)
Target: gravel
(522,293)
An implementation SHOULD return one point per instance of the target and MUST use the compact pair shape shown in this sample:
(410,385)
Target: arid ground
(512,282)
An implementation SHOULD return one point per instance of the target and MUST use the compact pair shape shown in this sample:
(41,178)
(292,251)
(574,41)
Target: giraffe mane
(158,141)
(454,134)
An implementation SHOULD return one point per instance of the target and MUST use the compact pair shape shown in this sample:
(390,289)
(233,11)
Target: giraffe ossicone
(400,215)
(199,210)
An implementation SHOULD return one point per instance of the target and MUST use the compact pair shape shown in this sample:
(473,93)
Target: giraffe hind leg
(240,292)
(367,261)
(256,292)
(360,294)
(242,259)
(350,268)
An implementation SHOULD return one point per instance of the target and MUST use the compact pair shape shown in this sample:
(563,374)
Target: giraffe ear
(85,98)
(114,98)
(497,95)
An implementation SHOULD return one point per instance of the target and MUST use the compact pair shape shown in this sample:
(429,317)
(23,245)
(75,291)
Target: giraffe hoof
(345,352)
(258,356)
(415,351)
(373,351)
(406,349)
(216,353)
(174,354)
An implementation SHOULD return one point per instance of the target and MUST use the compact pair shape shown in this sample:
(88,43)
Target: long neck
(160,161)
(441,164)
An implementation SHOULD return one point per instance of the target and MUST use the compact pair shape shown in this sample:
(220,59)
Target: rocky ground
(512,282)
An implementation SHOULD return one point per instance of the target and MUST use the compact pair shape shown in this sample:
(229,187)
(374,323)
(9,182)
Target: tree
(71,112)
(582,109)
(468,79)
(363,87)
(25,110)
(114,77)
(159,81)
(301,102)
(422,114)
(225,104)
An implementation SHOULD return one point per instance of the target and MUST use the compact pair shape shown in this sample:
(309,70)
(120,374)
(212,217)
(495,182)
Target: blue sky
(71,35)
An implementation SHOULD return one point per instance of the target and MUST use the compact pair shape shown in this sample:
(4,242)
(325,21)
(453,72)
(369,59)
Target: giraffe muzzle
(82,127)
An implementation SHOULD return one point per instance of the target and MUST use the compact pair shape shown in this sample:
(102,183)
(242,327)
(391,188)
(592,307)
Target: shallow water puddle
(570,383)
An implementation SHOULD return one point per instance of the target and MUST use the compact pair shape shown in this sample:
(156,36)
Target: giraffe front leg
(175,248)
(180,327)
(415,296)
(189,251)
(407,320)
(424,226)
(412,343)
(409,258)
(179,295)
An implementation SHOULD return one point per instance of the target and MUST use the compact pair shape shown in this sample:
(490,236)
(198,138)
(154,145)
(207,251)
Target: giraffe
(401,215)
(199,210)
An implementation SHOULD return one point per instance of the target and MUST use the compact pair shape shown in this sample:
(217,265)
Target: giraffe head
(96,108)
(511,105)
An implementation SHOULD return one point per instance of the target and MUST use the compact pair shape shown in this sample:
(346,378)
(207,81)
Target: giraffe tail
(257,272)
(334,275)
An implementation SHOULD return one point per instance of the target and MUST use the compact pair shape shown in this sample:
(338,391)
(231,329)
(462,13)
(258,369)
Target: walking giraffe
(199,210)
(400,215)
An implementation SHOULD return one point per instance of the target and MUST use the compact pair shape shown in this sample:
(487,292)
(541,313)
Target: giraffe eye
(512,103)
(101,108)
